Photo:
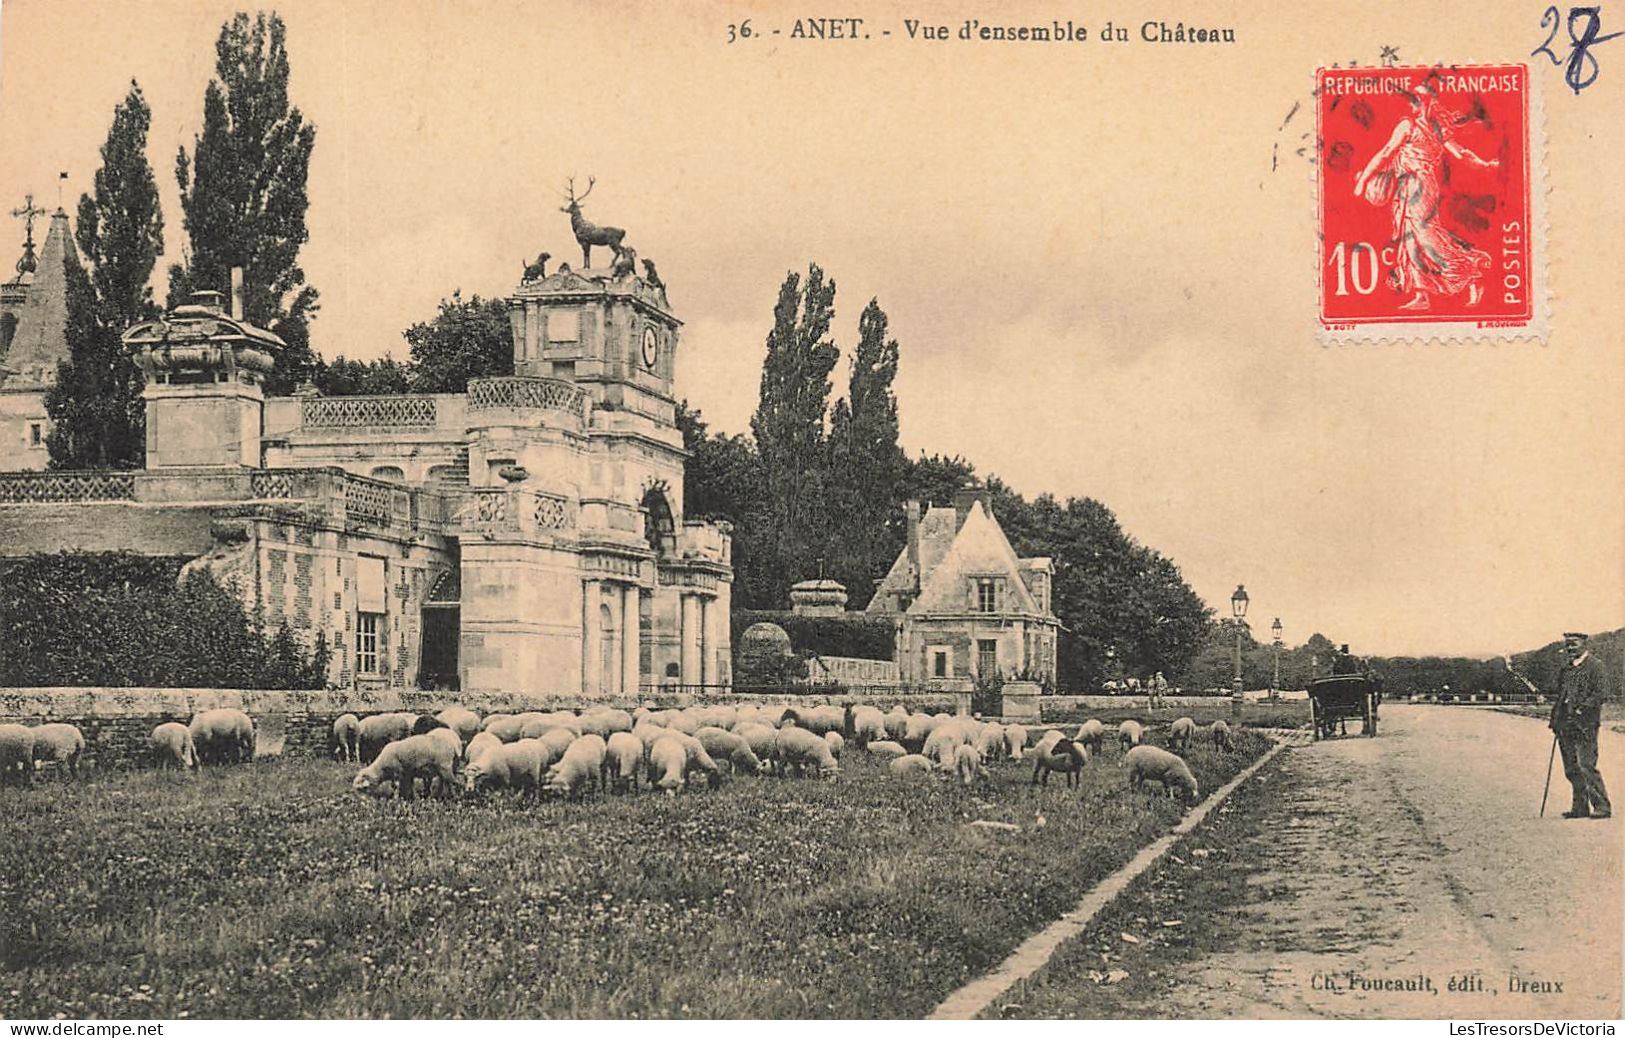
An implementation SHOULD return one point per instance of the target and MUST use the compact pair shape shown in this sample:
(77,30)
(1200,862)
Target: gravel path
(1361,877)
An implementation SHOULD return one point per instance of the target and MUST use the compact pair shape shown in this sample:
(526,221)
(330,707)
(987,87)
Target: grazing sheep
(836,744)
(1092,734)
(625,754)
(800,749)
(582,765)
(887,748)
(698,758)
(508,728)
(1047,741)
(1180,732)
(1064,755)
(868,725)
(516,765)
(968,764)
(731,747)
(478,746)
(939,748)
(59,743)
(17,753)
(640,715)
(991,744)
(491,719)
(1130,734)
(1153,762)
(910,765)
(681,721)
(171,746)
(557,740)
(763,741)
(380,730)
(1222,738)
(402,761)
(897,723)
(346,742)
(1015,736)
(466,723)
(223,735)
(454,745)
(820,720)
(426,723)
(917,730)
(668,763)
(605,722)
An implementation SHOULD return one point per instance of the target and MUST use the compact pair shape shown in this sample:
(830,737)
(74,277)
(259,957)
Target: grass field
(270,890)
(1280,714)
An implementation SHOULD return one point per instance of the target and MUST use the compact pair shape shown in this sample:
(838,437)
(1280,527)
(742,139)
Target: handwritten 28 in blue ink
(1579,44)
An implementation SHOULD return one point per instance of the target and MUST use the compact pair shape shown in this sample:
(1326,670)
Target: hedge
(120,619)
(854,634)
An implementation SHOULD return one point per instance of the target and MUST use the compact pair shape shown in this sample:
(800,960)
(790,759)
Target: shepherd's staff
(1552,757)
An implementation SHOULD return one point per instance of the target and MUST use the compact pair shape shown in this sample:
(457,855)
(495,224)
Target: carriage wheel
(1370,715)
(1314,720)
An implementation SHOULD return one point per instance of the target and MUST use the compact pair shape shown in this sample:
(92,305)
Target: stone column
(629,642)
(708,642)
(592,663)
(690,642)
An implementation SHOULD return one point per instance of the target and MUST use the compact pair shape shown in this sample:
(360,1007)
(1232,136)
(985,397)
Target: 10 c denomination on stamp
(1430,206)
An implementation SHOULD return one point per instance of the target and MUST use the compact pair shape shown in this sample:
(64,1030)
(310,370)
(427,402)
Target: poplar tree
(98,417)
(243,191)
(865,462)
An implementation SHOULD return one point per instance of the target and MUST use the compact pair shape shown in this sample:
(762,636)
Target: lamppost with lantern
(1238,608)
(1275,628)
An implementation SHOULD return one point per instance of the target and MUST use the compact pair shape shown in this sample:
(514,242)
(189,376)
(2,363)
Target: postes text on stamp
(1428,200)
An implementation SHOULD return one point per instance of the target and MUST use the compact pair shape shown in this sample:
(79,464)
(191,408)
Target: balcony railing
(520,393)
(19,488)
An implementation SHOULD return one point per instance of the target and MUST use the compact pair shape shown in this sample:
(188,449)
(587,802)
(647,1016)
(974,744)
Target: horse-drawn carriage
(1335,701)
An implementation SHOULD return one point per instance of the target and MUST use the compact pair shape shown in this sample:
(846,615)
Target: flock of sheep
(602,748)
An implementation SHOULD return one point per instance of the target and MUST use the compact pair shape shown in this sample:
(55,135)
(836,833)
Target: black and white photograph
(559,510)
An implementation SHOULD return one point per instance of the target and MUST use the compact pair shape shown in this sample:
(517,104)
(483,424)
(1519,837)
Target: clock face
(651,348)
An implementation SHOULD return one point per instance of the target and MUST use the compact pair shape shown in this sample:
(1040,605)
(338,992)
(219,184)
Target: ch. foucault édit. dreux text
(976,30)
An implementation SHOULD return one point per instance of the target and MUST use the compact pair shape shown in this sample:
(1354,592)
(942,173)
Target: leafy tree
(361,377)
(723,479)
(789,424)
(243,191)
(99,419)
(467,339)
(865,462)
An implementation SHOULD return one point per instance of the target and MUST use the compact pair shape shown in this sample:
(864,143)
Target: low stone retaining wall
(117,721)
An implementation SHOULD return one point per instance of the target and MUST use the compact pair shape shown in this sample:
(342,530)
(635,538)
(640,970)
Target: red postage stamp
(1429,204)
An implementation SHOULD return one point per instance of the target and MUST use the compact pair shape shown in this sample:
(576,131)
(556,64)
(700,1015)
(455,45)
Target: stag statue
(538,270)
(589,234)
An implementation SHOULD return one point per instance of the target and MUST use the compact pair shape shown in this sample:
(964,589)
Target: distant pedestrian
(1159,688)
(1345,663)
(1576,717)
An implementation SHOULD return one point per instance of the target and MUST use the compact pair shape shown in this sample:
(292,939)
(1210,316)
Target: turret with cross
(29,210)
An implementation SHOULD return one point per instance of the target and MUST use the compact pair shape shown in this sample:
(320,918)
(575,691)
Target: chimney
(965,496)
(237,293)
(912,510)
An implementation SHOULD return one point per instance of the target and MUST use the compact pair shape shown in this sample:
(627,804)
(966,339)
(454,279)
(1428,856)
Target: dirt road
(1401,876)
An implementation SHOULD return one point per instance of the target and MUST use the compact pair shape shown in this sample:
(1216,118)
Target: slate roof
(949,558)
(41,338)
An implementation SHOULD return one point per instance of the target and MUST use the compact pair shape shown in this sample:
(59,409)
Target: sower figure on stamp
(1576,717)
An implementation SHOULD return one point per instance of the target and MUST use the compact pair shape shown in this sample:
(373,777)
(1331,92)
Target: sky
(1098,259)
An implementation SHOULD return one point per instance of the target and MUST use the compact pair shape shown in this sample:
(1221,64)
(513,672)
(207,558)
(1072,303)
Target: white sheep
(836,744)
(868,725)
(917,730)
(910,765)
(763,741)
(1130,734)
(625,755)
(683,721)
(1180,732)
(508,727)
(605,721)
(224,734)
(729,746)
(17,753)
(465,722)
(516,765)
(968,764)
(939,748)
(478,746)
(1060,754)
(1154,763)
(402,761)
(582,765)
(991,743)
(491,719)
(171,746)
(1091,733)
(819,720)
(1222,739)
(1015,736)
(380,730)
(896,721)
(58,743)
(668,765)
(887,748)
(346,738)
(800,749)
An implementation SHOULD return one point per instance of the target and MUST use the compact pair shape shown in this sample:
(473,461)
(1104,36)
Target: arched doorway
(659,525)
(442,631)
(608,653)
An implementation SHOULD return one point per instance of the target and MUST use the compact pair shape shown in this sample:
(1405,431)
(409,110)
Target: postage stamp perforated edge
(1538,327)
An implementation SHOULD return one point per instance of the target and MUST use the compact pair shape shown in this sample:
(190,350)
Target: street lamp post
(1238,608)
(1275,628)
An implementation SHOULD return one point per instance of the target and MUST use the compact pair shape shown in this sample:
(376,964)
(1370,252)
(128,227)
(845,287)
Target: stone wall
(117,721)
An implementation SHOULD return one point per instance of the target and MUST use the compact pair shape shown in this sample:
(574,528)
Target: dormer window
(987,595)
